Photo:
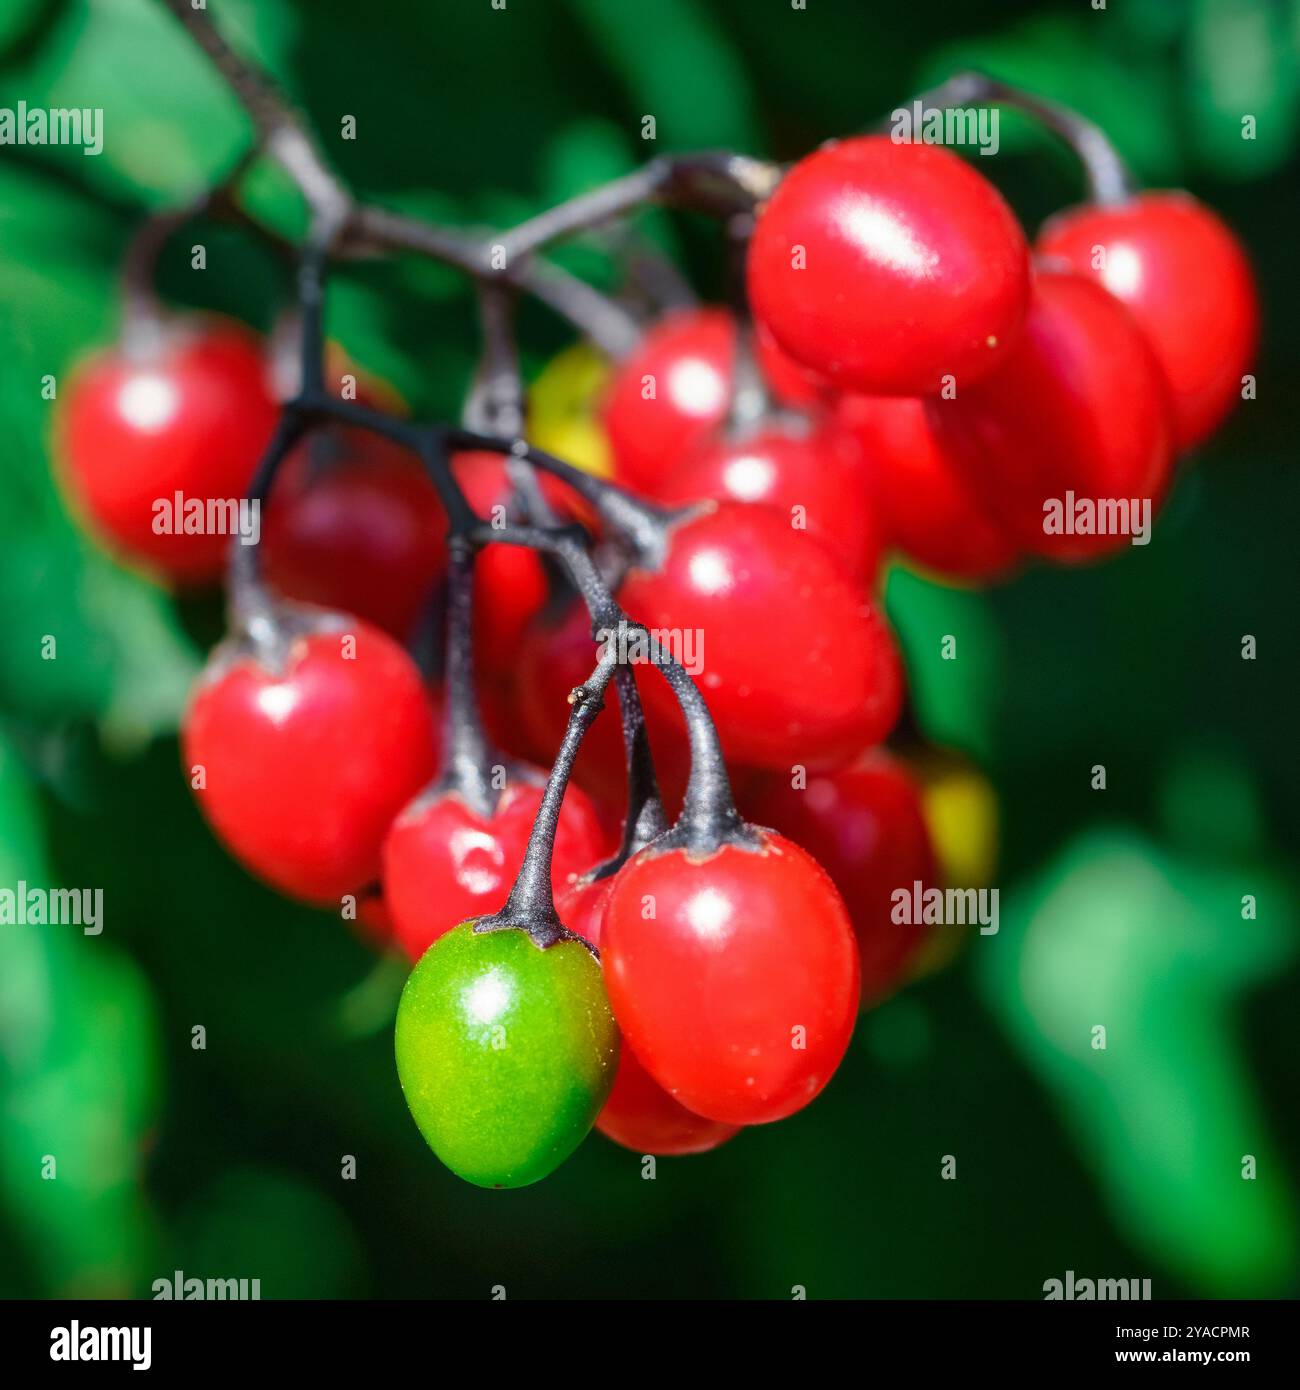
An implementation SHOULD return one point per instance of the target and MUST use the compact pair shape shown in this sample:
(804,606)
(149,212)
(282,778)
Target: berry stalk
(531,904)
(1107,176)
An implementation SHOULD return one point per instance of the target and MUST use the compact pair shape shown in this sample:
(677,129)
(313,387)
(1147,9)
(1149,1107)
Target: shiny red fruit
(354,524)
(926,507)
(1186,280)
(815,477)
(739,991)
(510,583)
(866,828)
(1077,414)
(444,862)
(795,661)
(639,1114)
(306,763)
(885,267)
(671,394)
(192,416)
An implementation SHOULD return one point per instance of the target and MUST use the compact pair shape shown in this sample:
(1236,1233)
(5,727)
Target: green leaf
(1158,953)
(83,638)
(78,1080)
(170,125)
(680,69)
(1242,64)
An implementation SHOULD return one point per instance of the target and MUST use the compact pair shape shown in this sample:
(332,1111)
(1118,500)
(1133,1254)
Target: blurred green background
(1121,907)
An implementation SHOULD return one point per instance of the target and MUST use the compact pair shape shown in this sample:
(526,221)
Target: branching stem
(1108,178)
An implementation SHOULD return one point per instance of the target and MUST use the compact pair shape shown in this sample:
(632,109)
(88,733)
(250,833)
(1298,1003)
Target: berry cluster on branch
(899,373)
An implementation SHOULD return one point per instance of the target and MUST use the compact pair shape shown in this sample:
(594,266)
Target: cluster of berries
(903,377)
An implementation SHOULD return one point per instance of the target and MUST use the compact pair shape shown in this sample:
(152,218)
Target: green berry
(505,1051)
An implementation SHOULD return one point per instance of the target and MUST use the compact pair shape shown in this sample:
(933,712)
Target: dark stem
(716,182)
(495,403)
(279,131)
(287,140)
(1108,178)
(142,312)
(611,327)
(751,402)
(531,904)
(644,819)
(644,526)
(708,817)
(468,757)
(311,322)
(430,442)
(653,274)
(251,610)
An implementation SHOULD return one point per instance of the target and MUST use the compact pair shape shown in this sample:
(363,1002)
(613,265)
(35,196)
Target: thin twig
(1108,178)
(720,183)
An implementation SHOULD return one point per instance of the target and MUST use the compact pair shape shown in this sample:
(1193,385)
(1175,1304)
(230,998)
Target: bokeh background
(1120,907)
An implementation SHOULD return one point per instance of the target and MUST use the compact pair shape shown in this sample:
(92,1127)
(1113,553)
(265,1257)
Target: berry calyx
(926,507)
(303,744)
(189,413)
(865,825)
(813,476)
(639,1114)
(1077,414)
(739,993)
(885,267)
(356,525)
(1185,278)
(745,586)
(505,1052)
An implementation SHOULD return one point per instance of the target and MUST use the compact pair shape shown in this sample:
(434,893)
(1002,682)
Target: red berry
(1186,280)
(814,477)
(192,416)
(738,992)
(510,583)
(926,507)
(671,394)
(444,862)
(865,826)
(363,533)
(1079,407)
(795,661)
(639,1113)
(305,763)
(885,267)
